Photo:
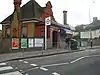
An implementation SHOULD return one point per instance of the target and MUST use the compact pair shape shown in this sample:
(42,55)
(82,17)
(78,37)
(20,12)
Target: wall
(98,33)
(5,45)
(38,30)
(75,33)
(4,30)
(85,34)
(95,33)
(31,29)
(49,43)
(15,26)
(0,33)
(96,42)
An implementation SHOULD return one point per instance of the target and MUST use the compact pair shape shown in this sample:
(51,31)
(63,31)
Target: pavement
(42,53)
(86,62)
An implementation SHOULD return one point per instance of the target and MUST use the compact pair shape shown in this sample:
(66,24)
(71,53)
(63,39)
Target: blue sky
(78,10)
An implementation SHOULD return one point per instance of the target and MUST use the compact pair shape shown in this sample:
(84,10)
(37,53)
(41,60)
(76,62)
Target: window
(42,33)
(8,32)
(24,31)
(14,32)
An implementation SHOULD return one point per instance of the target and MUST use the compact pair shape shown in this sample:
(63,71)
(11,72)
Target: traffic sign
(15,43)
(48,21)
(23,43)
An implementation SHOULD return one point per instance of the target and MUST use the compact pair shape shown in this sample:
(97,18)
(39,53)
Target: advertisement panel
(38,42)
(15,43)
(30,43)
(23,43)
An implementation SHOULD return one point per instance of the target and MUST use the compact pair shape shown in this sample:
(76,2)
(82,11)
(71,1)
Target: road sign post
(23,44)
(47,22)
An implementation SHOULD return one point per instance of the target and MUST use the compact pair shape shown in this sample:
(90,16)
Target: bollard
(69,46)
(23,52)
(42,48)
(57,47)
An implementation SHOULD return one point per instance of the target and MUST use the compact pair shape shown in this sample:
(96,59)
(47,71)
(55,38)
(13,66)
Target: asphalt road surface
(77,63)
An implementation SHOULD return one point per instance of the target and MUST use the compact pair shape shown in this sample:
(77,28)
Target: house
(28,22)
(90,31)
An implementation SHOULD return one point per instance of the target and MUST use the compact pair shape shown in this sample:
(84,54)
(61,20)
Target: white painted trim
(29,21)
(6,24)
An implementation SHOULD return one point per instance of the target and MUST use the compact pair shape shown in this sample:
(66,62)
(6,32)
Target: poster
(39,42)
(15,43)
(23,43)
(30,43)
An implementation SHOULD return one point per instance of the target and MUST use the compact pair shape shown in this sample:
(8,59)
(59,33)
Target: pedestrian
(67,43)
(91,43)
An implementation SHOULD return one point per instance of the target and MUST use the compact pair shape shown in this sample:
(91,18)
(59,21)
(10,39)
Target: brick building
(28,21)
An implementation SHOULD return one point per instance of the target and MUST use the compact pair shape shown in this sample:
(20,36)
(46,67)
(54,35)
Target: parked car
(74,44)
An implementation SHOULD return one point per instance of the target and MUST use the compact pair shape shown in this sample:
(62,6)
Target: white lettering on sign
(48,21)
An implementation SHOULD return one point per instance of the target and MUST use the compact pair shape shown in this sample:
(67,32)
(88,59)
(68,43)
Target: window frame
(24,34)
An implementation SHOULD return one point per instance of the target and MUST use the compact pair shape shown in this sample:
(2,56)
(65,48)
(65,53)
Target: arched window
(42,32)
(8,32)
(14,32)
(24,31)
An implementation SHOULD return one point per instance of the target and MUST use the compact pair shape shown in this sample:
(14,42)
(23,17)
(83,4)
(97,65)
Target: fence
(17,44)
(35,44)
(29,44)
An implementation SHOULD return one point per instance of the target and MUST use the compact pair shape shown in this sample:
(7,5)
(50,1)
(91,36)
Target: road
(77,63)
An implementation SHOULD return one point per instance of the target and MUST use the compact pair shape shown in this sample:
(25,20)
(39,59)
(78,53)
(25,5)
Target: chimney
(65,17)
(95,19)
(17,4)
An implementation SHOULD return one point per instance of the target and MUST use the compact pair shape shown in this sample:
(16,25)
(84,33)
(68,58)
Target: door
(54,39)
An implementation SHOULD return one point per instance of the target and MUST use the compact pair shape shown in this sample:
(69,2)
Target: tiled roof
(31,11)
(28,11)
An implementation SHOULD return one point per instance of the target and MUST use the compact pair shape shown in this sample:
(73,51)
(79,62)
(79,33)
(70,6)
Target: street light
(90,24)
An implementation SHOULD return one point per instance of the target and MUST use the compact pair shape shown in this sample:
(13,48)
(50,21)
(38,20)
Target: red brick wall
(38,30)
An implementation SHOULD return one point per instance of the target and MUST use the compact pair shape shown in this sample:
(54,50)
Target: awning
(65,31)
(68,31)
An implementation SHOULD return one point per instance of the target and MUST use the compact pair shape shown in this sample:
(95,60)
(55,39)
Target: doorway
(54,38)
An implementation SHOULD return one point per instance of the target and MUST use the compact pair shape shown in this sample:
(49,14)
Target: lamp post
(90,25)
